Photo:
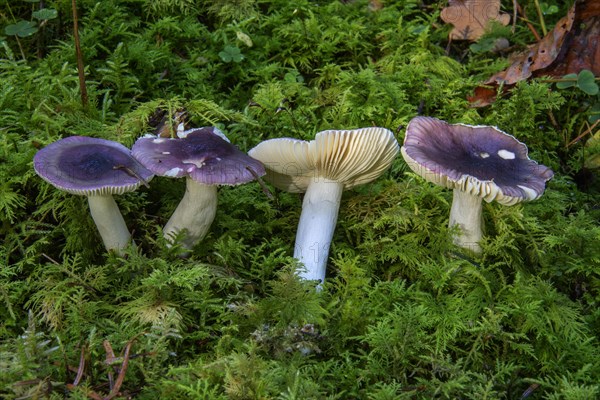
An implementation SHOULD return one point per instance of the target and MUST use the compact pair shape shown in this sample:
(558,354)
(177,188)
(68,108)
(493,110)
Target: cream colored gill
(387,147)
(356,156)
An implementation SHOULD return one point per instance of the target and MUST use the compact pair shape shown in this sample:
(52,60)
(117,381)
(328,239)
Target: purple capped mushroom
(477,162)
(96,168)
(206,159)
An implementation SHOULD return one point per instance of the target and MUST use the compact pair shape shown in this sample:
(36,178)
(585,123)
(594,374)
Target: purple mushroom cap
(90,166)
(202,154)
(482,160)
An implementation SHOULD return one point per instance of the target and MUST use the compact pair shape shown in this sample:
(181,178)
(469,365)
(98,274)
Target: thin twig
(16,36)
(262,184)
(40,37)
(529,24)
(131,173)
(514,18)
(81,367)
(541,17)
(121,377)
(21,48)
(532,388)
(122,371)
(110,358)
(80,65)
(52,260)
(94,396)
(587,131)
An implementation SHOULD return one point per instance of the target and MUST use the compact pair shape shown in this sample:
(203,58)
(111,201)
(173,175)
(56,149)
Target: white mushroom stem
(110,222)
(466,214)
(194,214)
(315,229)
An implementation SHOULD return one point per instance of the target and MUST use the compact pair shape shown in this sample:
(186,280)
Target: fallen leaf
(537,56)
(471,17)
(571,47)
(581,49)
(483,96)
(244,38)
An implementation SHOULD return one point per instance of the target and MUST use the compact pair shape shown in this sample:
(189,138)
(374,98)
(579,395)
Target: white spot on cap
(166,152)
(181,133)
(159,140)
(219,133)
(507,155)
(198,163)
(149,136)
(530,194)
(483,154)
(173,172)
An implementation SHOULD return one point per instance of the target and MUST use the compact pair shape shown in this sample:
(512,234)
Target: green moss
(403,314)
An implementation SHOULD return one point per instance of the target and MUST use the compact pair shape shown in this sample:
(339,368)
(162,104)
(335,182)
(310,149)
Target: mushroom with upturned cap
(323,168)
(206,159)
(96,168)
(477,162)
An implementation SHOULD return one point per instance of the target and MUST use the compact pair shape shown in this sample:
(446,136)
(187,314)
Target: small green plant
(584,81)
(231,54)
(549,9)
(25,28)
(21,29)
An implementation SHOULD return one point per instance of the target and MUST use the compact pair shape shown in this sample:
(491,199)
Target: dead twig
(111,358)
(514,17)
(131,173)
(81,367)
(121,377)
(79,55)
(529,24)
(587,131)
(262,184)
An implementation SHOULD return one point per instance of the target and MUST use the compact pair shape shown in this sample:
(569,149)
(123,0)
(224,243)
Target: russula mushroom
(323,168)
(96,168)
(206,159)
(478,163)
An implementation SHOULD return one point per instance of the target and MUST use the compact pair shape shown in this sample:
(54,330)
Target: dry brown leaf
(471,17)
(581,49)
(538,56)
(572,46)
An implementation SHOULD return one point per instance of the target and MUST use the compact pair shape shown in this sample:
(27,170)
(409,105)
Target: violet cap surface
(90,166)
(203,154)
(481,160)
